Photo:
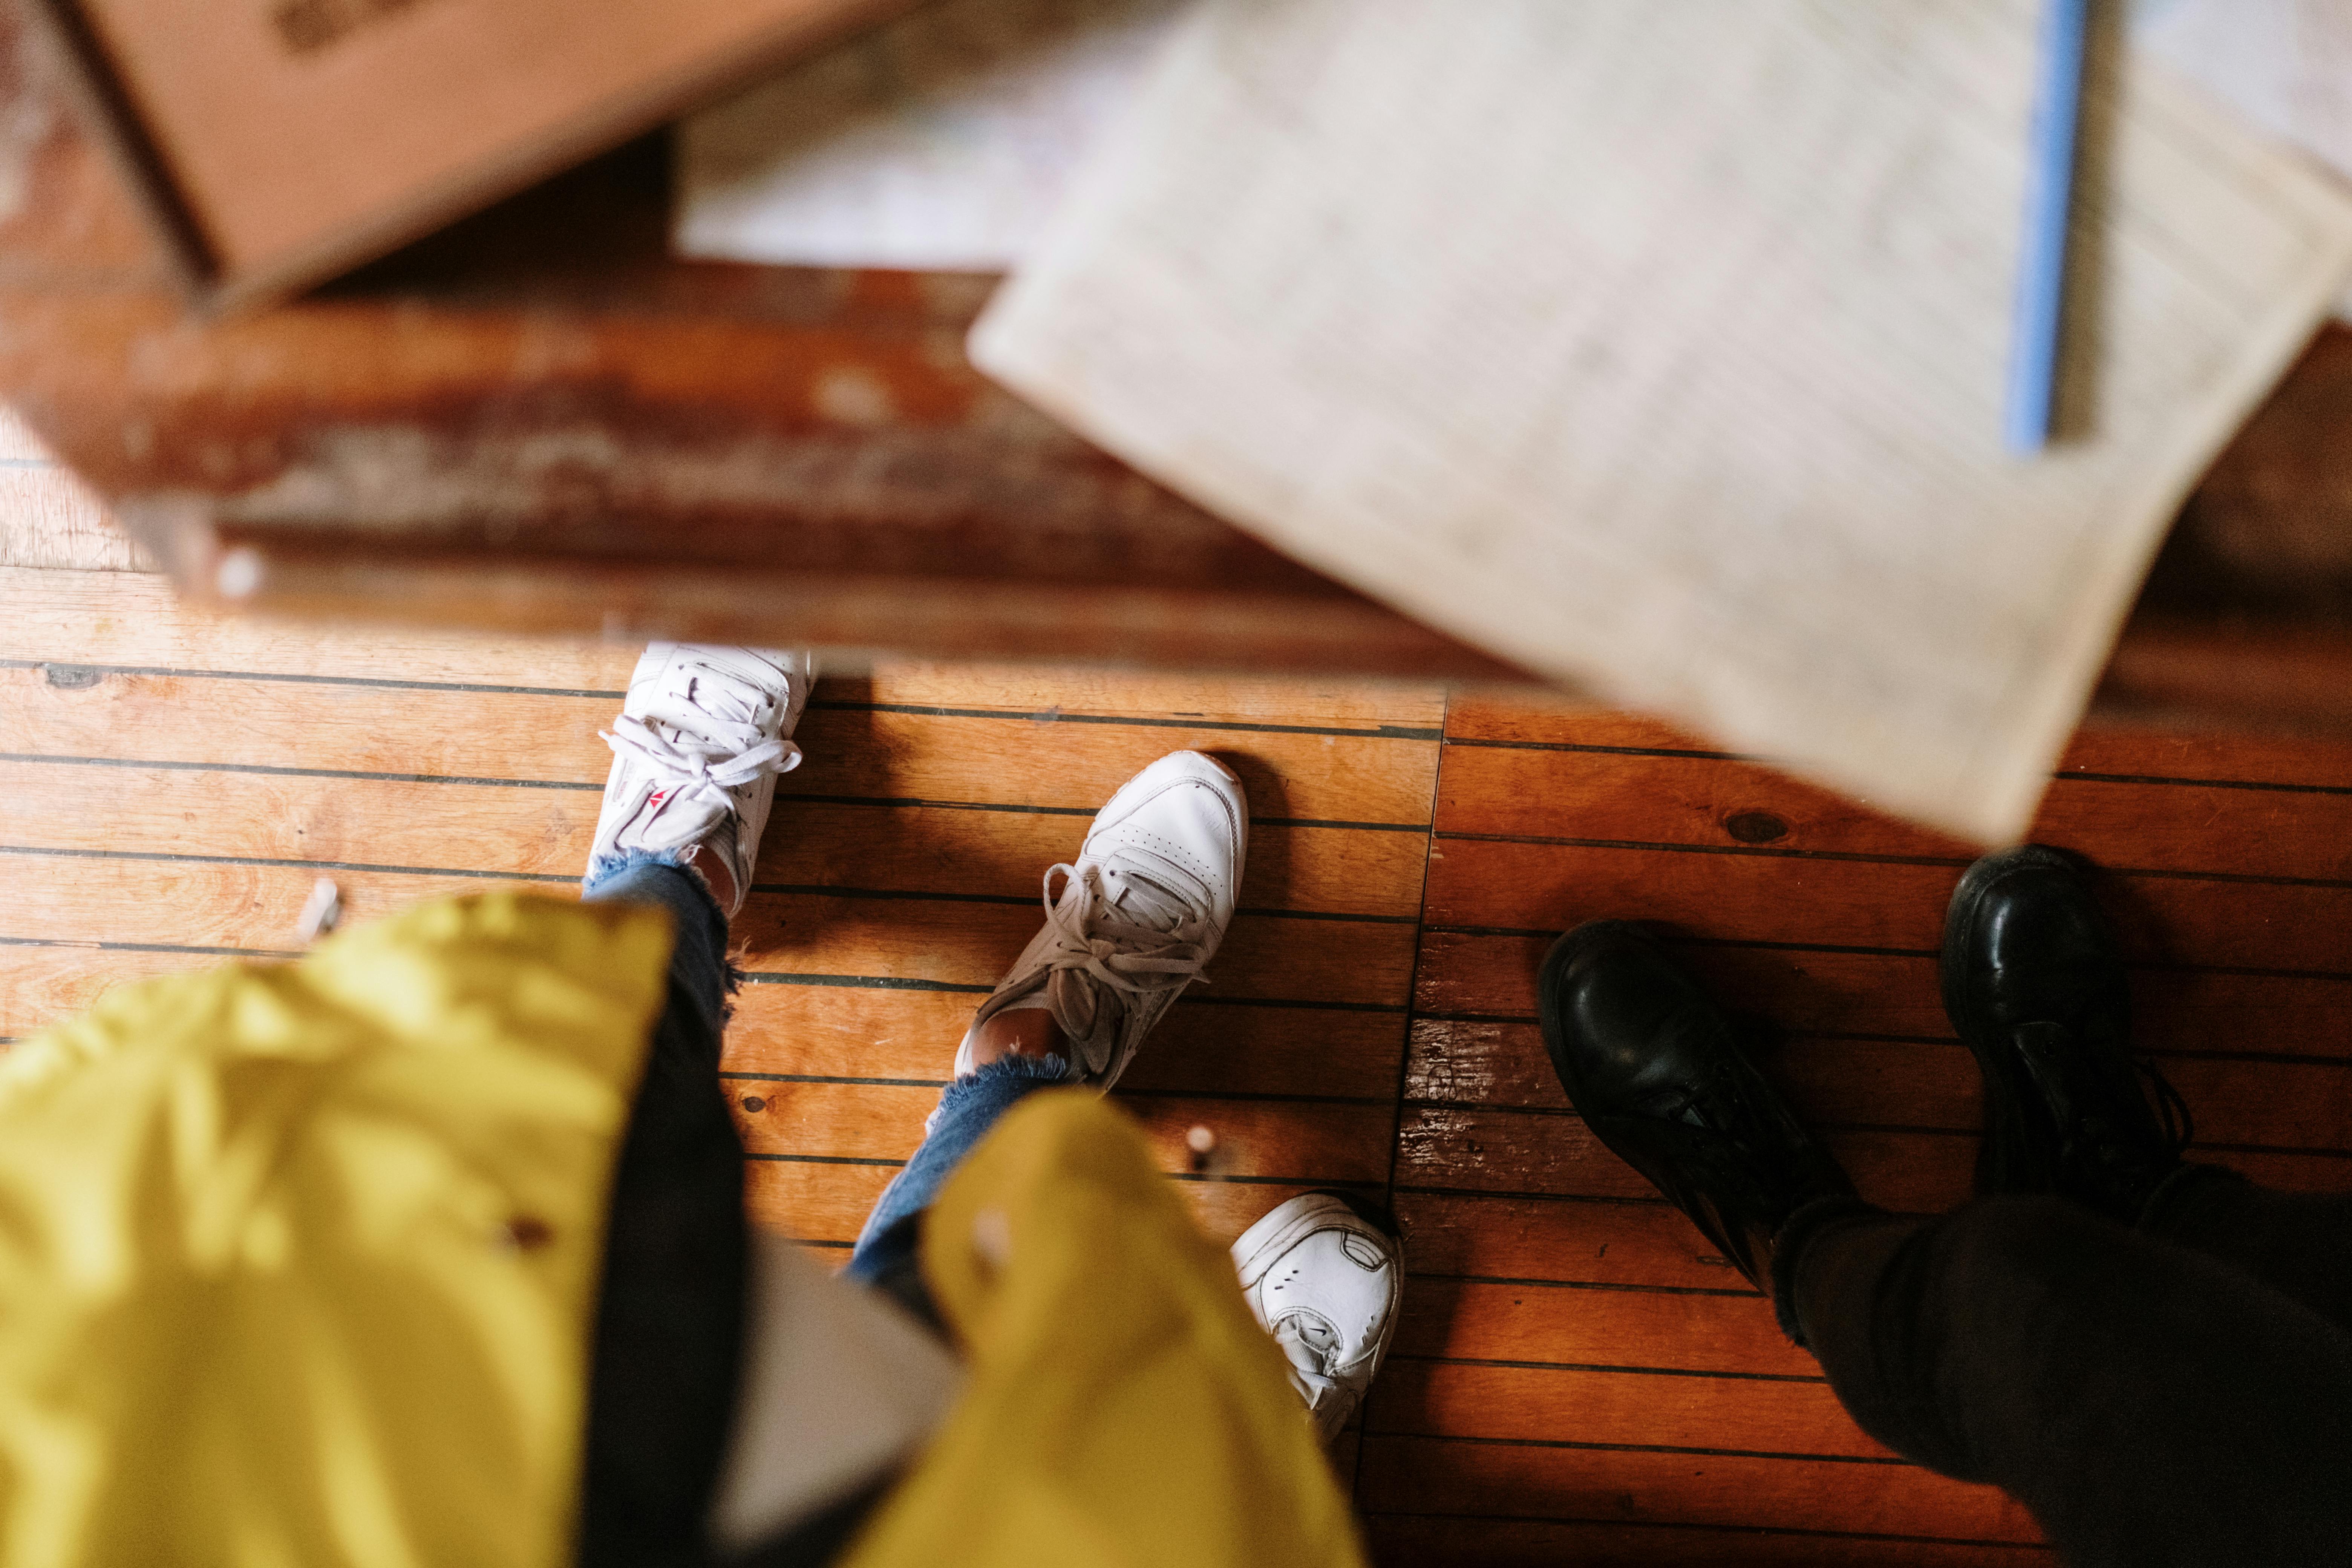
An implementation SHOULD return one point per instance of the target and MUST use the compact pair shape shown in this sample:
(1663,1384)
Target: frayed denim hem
(1017,1064)
(968,1110)
(1012,1067)
(605,867)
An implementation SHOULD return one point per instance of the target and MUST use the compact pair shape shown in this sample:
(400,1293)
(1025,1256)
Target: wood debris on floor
(1576,1377)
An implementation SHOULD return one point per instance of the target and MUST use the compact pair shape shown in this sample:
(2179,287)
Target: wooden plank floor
(1575,1378)
(49,517)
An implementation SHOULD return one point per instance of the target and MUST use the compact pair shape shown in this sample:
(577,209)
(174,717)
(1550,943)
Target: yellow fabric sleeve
(297,1261)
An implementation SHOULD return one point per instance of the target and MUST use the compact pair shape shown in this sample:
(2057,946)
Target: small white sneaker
(1324,1277)
(1140,911)
(696,753)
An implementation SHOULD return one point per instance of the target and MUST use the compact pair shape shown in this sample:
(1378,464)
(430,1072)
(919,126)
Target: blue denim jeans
(968,1109)
(700,978)
(697,964)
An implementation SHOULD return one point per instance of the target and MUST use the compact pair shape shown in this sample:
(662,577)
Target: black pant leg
(670,1315)
(2149,1404)
(2299,1244)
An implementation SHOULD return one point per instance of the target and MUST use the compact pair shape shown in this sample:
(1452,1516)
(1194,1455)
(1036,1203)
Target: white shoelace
(702,768)
(1095,941)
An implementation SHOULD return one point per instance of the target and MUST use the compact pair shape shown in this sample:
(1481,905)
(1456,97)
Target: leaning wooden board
(278,142)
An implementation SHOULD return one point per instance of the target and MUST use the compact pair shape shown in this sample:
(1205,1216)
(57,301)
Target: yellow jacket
(296,1264)
(297,1261)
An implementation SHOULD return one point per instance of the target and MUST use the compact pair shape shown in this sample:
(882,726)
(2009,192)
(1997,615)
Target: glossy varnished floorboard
(1576,1378)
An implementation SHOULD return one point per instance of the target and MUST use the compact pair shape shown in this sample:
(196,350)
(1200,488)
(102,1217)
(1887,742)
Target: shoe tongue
(705,695)
(1144,901)
(1309,1341)
(2047,1054)
(1319,1335)
(1090,1014)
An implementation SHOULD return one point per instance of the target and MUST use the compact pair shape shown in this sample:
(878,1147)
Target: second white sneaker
(1324,1277)
(1141,910)
(696,753)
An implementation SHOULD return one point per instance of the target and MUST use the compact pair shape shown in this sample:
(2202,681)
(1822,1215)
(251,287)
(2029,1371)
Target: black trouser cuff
(2170,1196)
(1789,1245)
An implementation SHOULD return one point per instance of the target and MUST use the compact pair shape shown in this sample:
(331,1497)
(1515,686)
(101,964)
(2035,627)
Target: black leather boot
(1656,1070)
(2035,982)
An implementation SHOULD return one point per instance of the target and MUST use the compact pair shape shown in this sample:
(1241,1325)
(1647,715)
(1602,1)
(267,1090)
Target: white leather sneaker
(1324,1277)
(696,753)
(1138,914)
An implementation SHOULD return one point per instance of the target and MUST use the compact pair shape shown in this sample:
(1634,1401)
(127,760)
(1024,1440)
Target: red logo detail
(654,802)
